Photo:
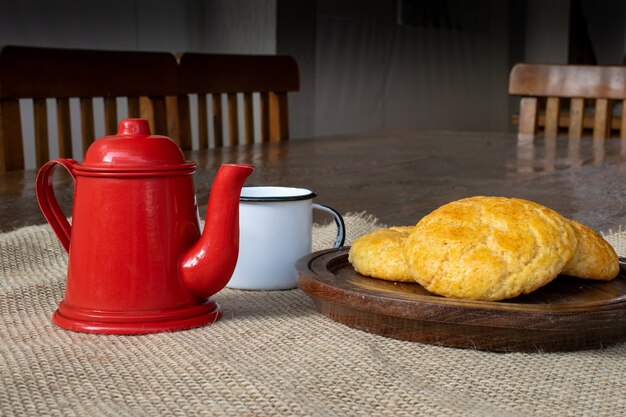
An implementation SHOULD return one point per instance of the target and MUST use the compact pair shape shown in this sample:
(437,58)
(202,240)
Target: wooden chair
(143,78)
(580,85)
(272,76)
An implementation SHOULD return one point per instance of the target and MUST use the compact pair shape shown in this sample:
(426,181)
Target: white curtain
(372,75)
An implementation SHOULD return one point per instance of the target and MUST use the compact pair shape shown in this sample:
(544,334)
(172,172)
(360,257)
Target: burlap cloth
(271,354)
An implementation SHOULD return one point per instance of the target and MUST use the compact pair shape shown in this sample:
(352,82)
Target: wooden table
(401,175)
(270,354)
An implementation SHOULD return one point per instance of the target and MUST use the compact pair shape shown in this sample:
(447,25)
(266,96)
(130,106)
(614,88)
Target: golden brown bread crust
(407,230)
(594,258)
(489,248)
(485,248)
(380,254)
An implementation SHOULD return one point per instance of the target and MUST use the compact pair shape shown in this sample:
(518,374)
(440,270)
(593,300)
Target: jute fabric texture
(271,354)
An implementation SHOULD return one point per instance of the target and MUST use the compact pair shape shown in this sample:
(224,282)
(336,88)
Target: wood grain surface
(567,314)
(599,85)
(400,175)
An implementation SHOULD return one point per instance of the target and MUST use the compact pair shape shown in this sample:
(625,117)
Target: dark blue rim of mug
(307,196)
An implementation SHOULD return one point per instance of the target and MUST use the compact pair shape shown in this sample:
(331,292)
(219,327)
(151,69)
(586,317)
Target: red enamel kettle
(137,260)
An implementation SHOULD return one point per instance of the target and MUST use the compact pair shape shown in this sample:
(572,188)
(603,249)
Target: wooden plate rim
(314,278)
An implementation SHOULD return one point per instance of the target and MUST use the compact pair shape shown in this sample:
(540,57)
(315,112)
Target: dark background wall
(364,64)
(440,64)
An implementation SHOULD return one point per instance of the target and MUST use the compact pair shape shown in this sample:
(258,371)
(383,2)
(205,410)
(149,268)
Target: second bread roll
(489,248)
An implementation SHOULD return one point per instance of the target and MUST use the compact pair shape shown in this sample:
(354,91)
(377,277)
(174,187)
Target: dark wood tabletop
(401,175)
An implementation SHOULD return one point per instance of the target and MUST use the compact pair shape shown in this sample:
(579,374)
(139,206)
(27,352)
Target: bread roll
(485,248)
(489,248)
(594,258)
(380,254)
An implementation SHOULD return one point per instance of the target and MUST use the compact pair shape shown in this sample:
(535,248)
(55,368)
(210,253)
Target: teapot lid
(134,149)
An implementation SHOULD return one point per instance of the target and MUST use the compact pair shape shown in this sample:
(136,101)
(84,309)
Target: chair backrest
(144,79)
(272,76)
(588,88)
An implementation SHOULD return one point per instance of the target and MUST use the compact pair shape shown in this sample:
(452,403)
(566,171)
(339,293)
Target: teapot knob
(133,127)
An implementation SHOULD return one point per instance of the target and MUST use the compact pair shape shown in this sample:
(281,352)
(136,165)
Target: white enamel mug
(275,226)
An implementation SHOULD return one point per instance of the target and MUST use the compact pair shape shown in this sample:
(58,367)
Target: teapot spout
(206,267)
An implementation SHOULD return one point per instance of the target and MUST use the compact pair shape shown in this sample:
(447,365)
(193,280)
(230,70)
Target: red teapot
(137,260)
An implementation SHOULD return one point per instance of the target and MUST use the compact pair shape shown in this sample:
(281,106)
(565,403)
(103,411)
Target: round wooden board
(567,314)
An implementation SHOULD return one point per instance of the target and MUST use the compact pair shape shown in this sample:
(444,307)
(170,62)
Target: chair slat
(278,117)
(218,131)
(602,119)
(159,116)
(576,114)
(64,127)
(42,154)
(553,107)
(133,107)
(183,120)
(177,110)
(622,128)
(248,118)
(11,150)
(528,116)
(154,110)
(110,116)
(203,123)
(86,122)
(264,116)
(233,120)
(146,111)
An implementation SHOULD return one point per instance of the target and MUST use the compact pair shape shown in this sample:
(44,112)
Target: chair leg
(528,116)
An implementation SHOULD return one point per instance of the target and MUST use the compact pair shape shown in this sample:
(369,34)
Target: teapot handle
(48,202)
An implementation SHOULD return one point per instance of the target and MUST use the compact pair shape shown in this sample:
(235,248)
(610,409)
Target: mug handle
(48,202)
(341,226)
